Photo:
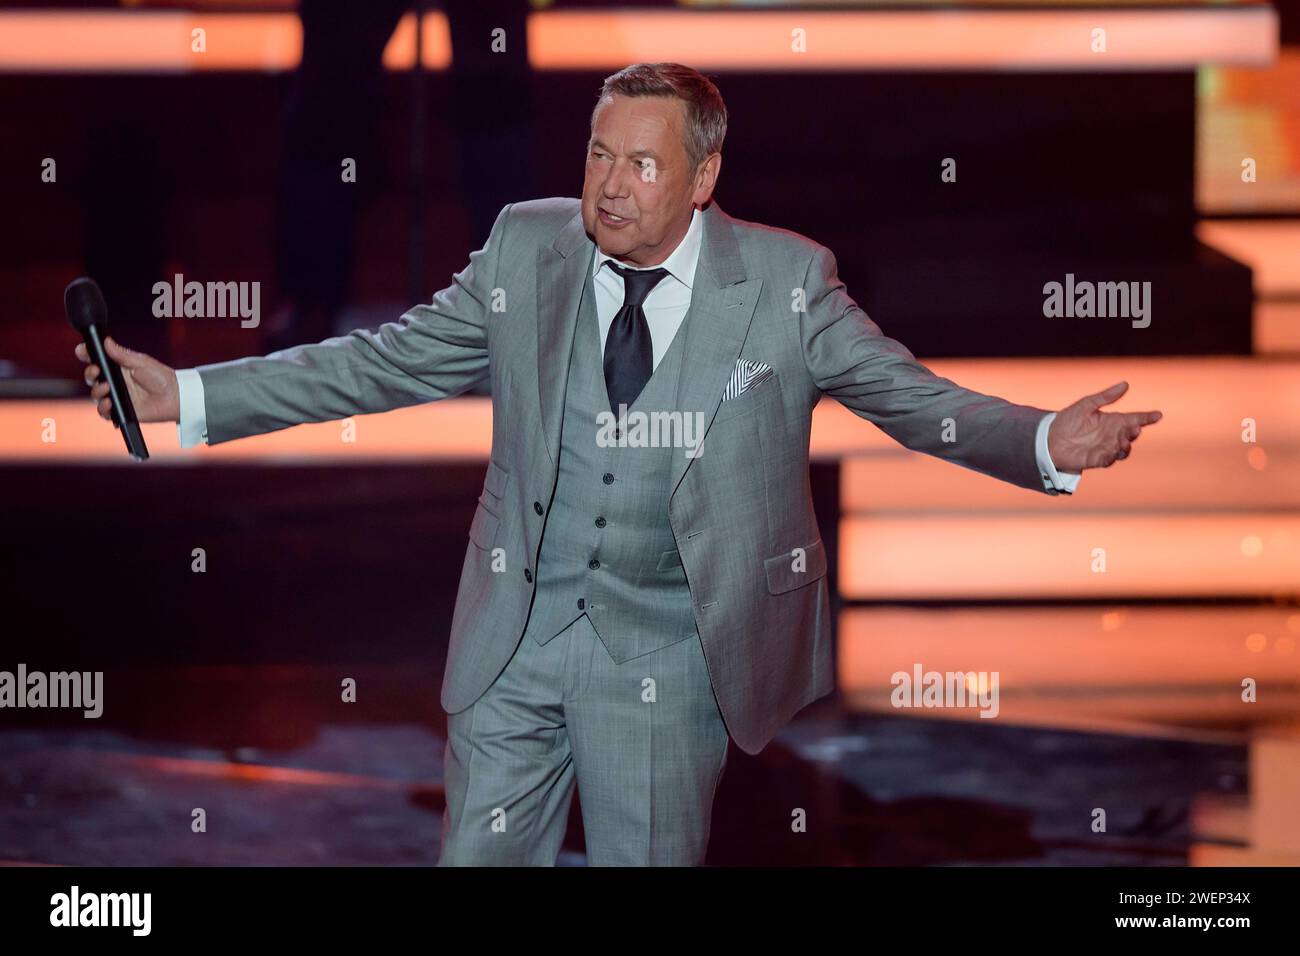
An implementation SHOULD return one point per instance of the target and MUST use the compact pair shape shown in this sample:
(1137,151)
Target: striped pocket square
(746,375)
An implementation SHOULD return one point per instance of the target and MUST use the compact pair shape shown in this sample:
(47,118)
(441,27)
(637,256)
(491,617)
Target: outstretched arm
(432,352)
(878,378)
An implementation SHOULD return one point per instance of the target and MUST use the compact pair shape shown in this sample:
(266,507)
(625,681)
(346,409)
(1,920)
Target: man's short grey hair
(706,114)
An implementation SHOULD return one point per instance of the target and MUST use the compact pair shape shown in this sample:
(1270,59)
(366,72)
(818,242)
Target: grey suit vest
(607,548)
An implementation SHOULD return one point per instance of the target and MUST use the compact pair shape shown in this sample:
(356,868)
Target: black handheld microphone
(88,314)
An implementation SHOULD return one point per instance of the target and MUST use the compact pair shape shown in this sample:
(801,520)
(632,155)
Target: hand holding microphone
(129,387)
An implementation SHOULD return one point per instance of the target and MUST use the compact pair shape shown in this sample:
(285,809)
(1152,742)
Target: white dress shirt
(666,305)
(665,308)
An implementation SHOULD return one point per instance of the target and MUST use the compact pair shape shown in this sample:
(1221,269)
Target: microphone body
(88,314)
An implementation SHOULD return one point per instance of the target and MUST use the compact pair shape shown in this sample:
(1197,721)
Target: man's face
(639,190)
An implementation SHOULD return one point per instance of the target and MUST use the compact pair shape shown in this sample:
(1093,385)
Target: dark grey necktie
(629,355)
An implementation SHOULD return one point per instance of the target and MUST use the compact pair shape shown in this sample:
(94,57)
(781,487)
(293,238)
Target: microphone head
(84,304)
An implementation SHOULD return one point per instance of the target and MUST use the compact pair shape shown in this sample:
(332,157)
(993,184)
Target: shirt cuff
(1053,480)
(192,429)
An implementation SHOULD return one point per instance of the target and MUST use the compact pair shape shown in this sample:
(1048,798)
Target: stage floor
(286,782)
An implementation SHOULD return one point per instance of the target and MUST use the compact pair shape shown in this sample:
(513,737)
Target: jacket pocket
(761,394)
(483,529)
(785,571)
(496,480)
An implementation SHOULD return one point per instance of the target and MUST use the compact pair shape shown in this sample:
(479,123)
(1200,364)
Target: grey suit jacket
(738,510)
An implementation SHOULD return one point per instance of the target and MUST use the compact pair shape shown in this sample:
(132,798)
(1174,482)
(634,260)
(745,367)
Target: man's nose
(616,182)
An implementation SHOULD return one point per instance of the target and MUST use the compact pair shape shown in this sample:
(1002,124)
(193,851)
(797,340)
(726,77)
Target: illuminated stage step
(1271,247)
(1016,556)
(1222,476)
(1277,328)
(1134,669)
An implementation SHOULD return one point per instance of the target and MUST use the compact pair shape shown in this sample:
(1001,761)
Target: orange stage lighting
(163,41)
(940,38)
(145,41)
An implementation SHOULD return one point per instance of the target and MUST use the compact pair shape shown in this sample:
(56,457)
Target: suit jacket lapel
(561,274)
(722,307)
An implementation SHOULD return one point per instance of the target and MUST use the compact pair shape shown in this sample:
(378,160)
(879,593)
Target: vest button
(528,576)
(600,521)
(608,478)
(593,564)
(582,603)
(537,506)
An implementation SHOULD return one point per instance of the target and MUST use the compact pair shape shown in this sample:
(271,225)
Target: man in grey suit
(644,577)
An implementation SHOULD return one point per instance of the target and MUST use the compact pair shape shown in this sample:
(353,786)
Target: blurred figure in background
(333,106)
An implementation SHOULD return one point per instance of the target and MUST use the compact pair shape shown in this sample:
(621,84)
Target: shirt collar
(681,264)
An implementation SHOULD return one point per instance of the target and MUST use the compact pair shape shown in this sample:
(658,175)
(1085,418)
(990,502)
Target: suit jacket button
(593,564)
(608,478)
(600,521)
(528,576)
(537,506)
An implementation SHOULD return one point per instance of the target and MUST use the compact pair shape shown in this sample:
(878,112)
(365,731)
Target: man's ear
(706,179)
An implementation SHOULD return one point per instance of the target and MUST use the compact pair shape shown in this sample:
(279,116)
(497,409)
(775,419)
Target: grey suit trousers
(644,742)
